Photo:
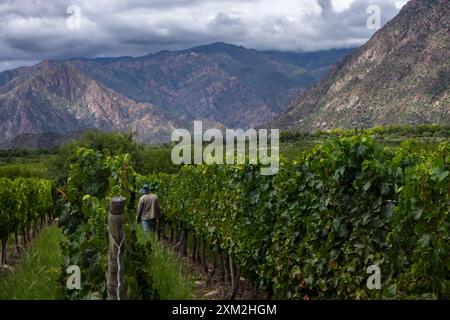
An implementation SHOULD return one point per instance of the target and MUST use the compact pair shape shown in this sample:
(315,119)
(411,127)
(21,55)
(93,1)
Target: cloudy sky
(34,30)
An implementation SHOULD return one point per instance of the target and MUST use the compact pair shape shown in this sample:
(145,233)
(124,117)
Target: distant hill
(58,98)
(223,84)
(46,141)
(400,76)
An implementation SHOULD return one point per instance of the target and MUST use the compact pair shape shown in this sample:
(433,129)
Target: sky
(35,30)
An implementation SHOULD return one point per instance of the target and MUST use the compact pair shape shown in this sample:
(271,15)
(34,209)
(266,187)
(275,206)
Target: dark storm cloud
(34,30)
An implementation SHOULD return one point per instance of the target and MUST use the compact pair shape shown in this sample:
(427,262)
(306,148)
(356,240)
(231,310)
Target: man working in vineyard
(148,210)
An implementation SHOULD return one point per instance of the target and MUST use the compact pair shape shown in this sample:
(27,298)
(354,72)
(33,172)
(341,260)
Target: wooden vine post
(116,286)
(3,257)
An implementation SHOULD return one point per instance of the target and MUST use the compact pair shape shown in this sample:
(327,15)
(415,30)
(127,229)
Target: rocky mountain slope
(223,84)
(401,76)
(53,97)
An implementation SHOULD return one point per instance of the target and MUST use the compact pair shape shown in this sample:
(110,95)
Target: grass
(36,276)
(24,170)
(291,150)
(167,271)
(24,157)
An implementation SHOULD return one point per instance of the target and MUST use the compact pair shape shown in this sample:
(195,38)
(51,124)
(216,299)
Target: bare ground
(209,286)
(13,256)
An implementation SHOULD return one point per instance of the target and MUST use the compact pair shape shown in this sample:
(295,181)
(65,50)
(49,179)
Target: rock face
(225,85)
(401,76)
(53,97)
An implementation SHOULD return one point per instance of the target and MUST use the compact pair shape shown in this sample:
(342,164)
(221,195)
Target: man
(148,209)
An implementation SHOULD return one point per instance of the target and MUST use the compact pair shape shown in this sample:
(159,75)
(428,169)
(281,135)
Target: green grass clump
(24,170)
(36,276)
(169,280)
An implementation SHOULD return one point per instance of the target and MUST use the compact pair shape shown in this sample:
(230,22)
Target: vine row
(312,231)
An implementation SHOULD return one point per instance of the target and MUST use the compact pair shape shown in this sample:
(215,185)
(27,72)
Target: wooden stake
(116,286)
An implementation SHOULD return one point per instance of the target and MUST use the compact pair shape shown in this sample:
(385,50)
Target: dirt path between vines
(14,255)
(208,287)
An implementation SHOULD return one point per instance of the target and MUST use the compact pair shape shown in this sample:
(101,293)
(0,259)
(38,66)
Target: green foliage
(93,180)
(155,159)
(315,227)
(420,237)
(426,137)
(423,130)
(108,144)
(144,159)
(169,278)
(27,170)
(23,201)
(14,156)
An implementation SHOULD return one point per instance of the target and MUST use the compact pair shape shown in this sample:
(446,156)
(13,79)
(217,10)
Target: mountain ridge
(222,84)
(400,76)
(59,99)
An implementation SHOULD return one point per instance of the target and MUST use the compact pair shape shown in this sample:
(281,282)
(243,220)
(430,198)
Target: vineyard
(93,180)
(309,232)
(26,204)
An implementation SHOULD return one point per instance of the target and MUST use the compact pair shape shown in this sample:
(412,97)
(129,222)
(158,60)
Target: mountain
(400,76)
(228,84)
(54,97)
(222,84)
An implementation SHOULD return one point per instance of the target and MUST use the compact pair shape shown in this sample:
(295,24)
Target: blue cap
(145,189)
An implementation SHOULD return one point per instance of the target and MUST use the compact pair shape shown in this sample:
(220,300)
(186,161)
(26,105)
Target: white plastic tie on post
(119,247)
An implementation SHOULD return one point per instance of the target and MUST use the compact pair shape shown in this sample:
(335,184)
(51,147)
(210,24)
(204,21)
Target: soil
(209,286)
(13,256)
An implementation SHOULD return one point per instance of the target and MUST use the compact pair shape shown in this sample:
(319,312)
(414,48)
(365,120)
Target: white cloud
(33,30)
(341,5)
(400,3)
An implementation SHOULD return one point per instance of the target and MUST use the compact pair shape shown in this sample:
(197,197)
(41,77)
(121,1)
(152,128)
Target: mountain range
(400,76)
(225,85)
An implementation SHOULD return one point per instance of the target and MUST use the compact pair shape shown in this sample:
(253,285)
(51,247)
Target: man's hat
(145,189)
